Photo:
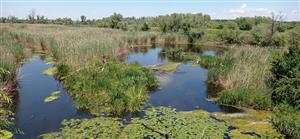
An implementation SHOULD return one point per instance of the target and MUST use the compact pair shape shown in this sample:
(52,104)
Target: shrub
(229,36)
(286,74)
(259,34)
(294,36)
(245,23)
(279,40)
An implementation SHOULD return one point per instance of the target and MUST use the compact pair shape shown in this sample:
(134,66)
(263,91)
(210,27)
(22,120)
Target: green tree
(115,19)
(83,19)
(245,23)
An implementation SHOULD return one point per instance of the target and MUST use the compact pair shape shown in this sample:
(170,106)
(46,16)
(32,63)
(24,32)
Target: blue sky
(217,9)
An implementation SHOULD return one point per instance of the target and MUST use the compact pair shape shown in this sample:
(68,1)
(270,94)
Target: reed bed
(82,46)
(243,73)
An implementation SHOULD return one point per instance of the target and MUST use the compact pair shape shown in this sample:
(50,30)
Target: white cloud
(295,12)
(239,10)
(244,10)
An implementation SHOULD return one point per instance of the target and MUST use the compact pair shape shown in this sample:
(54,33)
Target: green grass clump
(207,61)
(114,88)
(243,72)
(287,120)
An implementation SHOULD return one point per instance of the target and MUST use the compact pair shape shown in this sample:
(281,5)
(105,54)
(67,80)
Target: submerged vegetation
(112,87)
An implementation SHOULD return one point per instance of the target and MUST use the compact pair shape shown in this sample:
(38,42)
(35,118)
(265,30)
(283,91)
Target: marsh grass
(243,72)
(113,88)
(11,55)
(287,120)
(82,46)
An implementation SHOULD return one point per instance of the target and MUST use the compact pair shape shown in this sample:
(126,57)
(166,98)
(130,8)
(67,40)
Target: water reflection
(186,88)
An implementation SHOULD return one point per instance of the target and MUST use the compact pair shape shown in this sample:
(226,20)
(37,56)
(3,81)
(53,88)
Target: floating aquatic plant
(50,71)
(54,95)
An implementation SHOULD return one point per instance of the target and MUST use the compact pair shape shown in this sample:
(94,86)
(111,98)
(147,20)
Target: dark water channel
(185,90)
(33,115)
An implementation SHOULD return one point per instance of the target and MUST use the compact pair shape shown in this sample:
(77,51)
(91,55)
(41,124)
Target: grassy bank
(11,56)
(243,73)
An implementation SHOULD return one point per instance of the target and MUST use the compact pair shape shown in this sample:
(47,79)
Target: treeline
(262,31)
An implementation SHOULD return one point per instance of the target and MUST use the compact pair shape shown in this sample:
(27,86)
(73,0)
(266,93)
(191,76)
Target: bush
(229,36)
(286,77)
(259,35)
(245,23)
(294,36)
(279,40)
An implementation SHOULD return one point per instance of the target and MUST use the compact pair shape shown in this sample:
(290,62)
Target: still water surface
(185,90)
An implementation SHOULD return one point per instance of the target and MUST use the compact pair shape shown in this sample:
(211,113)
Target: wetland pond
(185,89)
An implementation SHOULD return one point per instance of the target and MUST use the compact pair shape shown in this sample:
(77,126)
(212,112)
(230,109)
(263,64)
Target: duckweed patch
(169,67)
(50,71)
(114,88)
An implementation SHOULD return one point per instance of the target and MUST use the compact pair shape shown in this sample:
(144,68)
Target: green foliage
(286,73)
(229,36)
(259,34)
(114,87)
(294,36)
(287,120)
(194,35)
(145,27)
(245,23)
(62,70)
(207,61)
(279,40)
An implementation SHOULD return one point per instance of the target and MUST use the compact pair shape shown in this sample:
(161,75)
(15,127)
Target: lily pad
(50,71)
